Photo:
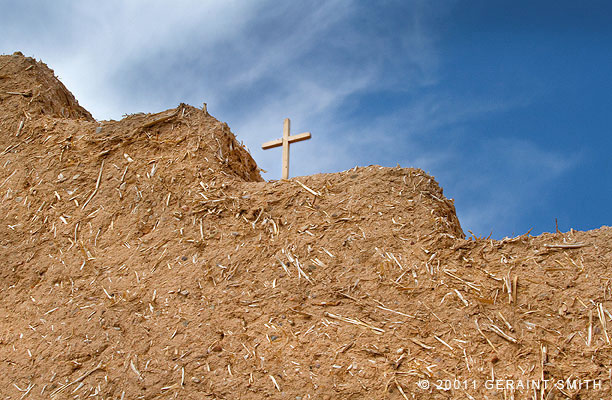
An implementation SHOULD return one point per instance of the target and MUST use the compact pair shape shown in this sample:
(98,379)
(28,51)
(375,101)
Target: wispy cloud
(502,179)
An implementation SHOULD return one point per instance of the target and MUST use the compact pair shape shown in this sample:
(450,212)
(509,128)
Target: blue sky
(507,103)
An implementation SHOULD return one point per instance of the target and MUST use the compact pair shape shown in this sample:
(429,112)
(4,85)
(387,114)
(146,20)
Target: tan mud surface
(147,259)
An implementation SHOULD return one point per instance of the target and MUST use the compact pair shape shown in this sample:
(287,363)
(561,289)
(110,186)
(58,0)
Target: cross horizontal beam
(292,139)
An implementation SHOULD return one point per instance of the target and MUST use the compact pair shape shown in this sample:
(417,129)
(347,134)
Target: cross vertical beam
(286,128)
(285,141)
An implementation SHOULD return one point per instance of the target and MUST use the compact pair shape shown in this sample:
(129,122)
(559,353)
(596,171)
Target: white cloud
(89,43)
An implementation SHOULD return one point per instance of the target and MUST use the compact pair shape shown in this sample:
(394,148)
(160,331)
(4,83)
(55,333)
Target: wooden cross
(285,141)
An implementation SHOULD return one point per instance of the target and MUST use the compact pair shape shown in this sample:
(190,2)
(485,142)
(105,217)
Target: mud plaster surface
(146,258)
